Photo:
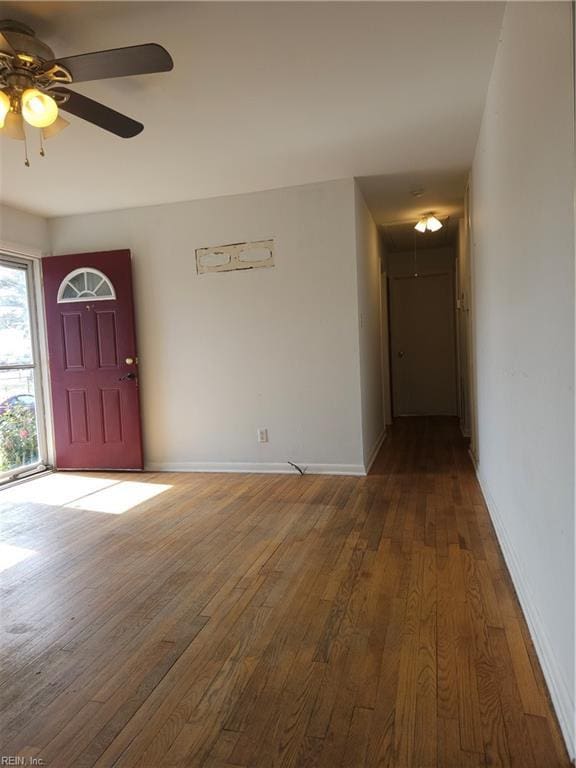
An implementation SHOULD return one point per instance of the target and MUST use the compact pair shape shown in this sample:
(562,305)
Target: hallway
(256,620)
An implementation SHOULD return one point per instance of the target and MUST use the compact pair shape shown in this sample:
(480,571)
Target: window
(22,439)
(85,283)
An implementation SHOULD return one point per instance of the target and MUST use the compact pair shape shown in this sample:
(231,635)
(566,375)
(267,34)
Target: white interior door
(422,330)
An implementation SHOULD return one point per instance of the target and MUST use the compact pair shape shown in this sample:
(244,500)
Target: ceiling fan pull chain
(26,161)
(42,152)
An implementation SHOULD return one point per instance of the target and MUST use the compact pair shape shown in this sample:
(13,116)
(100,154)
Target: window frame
(27,264)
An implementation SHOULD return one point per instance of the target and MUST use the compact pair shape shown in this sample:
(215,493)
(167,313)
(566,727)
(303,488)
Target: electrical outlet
(262,435)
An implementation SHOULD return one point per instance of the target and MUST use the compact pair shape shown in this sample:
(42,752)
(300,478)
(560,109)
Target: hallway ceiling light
(433,224)
(428,222)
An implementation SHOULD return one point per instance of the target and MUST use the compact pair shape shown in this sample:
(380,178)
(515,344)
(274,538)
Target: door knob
(400,354)
(128,377)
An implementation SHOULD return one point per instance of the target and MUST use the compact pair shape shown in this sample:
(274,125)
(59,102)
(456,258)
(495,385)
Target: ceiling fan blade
(118,62)
(99,115)
(5,46)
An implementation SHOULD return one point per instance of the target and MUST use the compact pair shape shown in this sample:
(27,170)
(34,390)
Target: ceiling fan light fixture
(38,109)
(421,225)
(433,224)
(31,81)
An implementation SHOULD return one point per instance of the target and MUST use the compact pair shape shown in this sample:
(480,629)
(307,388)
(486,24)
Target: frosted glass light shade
(38,109)
(14,126)
(433,224)
(429,222)
(54,129)
(4,107)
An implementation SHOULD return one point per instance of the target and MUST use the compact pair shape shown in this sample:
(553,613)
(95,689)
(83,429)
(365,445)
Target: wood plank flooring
(259,621)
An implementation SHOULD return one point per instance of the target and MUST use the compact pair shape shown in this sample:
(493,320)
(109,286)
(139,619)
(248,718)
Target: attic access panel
(235,257)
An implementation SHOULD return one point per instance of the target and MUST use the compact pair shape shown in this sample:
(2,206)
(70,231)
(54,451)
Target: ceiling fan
(33,83)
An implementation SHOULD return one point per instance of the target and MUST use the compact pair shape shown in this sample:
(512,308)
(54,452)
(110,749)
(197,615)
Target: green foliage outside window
(18,437)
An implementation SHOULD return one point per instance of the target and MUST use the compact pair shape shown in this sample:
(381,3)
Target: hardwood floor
(262,621)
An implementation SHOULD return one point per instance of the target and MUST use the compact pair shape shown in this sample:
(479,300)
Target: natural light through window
(11,555)
(119,498)
(56,489)
(84,492)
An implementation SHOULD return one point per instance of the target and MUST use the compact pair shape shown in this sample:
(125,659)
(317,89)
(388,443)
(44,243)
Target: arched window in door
(86,283)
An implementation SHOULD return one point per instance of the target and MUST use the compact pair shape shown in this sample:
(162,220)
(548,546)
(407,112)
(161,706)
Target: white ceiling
(396,208)
(266,95)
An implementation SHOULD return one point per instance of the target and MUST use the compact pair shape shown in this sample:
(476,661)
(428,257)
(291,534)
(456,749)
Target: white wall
(523,277)
(23,231)
(369,328)
(223,354)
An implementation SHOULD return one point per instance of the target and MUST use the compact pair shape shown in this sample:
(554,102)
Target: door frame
(471,324)
(31,259)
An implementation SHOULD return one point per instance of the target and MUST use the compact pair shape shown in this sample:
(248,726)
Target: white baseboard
(279,468)
(375,451)
(557,684)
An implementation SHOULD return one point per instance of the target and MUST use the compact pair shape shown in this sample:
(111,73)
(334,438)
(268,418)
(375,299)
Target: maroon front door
(93,363)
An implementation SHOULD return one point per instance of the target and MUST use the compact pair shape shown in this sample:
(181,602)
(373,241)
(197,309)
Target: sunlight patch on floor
(119,498)
(12,555)
(55,489)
